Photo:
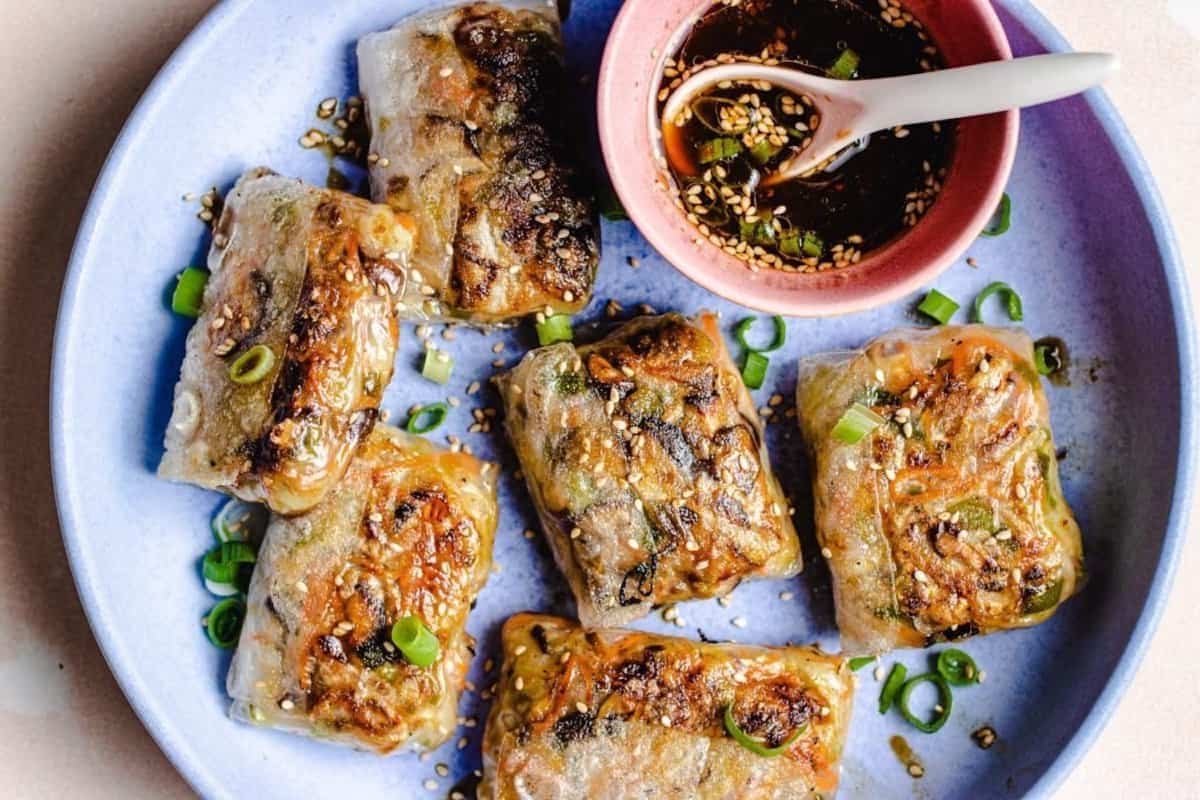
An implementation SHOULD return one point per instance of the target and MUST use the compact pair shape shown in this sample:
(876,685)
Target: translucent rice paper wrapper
(408,532)
(947,519)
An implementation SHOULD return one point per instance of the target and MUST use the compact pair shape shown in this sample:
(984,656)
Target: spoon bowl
(852,109)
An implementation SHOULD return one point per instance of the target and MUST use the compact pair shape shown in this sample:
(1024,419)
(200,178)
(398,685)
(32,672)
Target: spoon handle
(978,89)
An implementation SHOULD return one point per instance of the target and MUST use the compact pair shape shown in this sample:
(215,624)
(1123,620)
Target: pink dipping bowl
(647,32)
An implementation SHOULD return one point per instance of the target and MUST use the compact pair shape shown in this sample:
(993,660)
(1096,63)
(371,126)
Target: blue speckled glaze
(1090,251)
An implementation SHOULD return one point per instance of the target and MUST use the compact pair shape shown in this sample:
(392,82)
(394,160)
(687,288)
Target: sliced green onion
(845,67)
(754,745)
(718,150)
(789,245)
(893,684)
(1045,600)
(188,297)
(224,565)
(858,663)
(239,521)
(938,306)
(1002,220)
(224,622)
(755,370)
(555,328)
(416,642)
(856,423)
(437,366)
(812,245)
(221,589)
(1047,359)
(764,151)
(253,365)
(945,702)
(957,667)
(609,204)
(745,325)
(427,418)
(1011,299)
(760,232)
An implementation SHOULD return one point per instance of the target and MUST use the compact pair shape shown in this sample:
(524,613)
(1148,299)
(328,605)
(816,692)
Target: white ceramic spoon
(851,109)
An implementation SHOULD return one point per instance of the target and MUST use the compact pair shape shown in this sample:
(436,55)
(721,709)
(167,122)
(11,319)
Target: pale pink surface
(967,31)
(81,66)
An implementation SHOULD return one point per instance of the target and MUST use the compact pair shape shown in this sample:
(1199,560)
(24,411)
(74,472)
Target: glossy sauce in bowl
(648,33)
(724,147)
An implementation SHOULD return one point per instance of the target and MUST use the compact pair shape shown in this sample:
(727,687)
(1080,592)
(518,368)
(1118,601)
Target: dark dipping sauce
(825,220)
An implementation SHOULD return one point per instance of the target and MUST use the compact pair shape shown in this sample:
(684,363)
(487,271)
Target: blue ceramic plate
(1090,250)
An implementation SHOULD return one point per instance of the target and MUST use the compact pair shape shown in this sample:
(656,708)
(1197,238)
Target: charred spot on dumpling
(573,726)
(538,633)
(673,442)
(377,650)
(773,711)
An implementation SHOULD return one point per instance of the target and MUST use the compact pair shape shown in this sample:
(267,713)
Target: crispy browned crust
(466,108)
(572,704)
(315,277)
(649,473)
(948,520)
(545,213)
(409,533)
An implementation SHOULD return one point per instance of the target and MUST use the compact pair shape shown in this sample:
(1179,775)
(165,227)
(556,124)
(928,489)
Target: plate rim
(170,740)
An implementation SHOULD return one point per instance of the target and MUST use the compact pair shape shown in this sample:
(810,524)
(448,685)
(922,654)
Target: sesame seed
(430,784)
(519,683)
(738,622)
(826,552)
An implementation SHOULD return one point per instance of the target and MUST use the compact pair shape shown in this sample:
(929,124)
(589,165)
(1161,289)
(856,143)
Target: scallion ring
(945,702)
(555,328)
(253,365)
(720,149)
(893,684)
(224,622)
(239,521)
(754,372)
(223,565)
(858,663)
(754,745)
(1012,301)
(437,366)
(416,642)
(1002,220)
(856,423)
(188,297)
(745,325)
(938,306)
(957,667)
(1047,358)
(846,66)
(428,418)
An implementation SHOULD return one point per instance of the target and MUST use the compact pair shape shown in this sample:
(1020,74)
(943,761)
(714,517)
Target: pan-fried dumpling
(407,533)
(622,715)
(467,136)
(645,459)
(946,519)
(287,363)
